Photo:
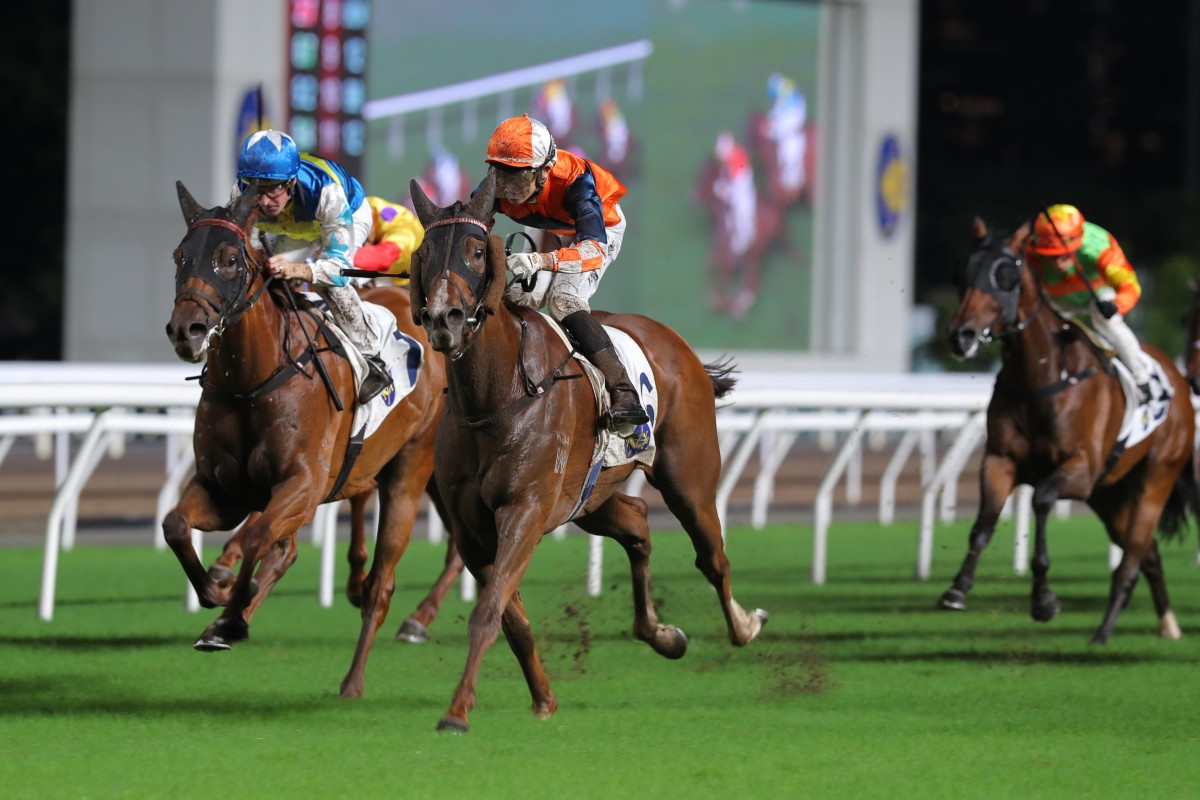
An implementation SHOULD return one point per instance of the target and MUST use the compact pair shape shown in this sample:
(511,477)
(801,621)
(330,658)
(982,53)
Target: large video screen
(707,111)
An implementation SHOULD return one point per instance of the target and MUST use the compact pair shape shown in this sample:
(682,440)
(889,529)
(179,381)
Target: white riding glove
(525,265)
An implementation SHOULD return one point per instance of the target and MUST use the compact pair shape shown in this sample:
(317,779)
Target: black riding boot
(1144,392)
(378,378)
(593,342)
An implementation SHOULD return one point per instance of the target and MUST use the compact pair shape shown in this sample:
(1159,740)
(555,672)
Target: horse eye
(1005,275)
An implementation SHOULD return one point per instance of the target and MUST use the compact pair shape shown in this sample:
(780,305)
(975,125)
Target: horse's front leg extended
(198,509)
(1043,603)
(518,530)
(289,508)
(996,478)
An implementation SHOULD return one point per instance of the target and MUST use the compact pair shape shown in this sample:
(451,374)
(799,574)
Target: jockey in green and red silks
(1082,269)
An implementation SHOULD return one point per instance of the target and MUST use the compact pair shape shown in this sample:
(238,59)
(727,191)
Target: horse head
(457,274)
(213,272)
(991,297)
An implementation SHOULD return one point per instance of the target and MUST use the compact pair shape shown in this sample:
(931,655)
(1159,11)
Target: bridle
(228,310)
(1006,322)
(475,319)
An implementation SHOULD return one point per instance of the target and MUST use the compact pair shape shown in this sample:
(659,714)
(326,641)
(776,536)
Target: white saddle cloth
(400,352)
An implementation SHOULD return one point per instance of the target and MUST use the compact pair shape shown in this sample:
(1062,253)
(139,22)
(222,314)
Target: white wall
(154,97)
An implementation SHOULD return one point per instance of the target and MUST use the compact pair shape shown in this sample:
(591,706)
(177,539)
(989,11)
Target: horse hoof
(1045,609)
(412,631)
(452,725)
(953,600)
(221,575)
(211,644)
(669,642)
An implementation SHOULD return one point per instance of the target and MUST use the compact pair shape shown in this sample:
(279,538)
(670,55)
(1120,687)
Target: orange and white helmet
(1058,230)
(521,142)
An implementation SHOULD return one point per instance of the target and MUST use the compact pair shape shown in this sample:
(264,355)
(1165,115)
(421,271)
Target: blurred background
(1017,104)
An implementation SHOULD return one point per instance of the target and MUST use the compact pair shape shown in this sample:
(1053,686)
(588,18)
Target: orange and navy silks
(577,201)
(1103,263)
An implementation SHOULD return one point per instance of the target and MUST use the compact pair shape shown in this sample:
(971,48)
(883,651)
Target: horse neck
(1035,354)
(486,378)
(248,352)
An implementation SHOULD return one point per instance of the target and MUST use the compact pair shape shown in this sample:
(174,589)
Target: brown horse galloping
(273,427)
(1053,423)
(514,452)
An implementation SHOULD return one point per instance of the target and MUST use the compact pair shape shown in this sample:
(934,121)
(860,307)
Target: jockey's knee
(562,304)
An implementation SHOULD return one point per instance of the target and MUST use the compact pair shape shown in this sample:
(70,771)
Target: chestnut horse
(1053,423)
(514,455)
(273,437)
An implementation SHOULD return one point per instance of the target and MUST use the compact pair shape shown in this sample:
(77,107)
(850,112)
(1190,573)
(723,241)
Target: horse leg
(279,558)
(623,519)
(289,507)
(519,635)
(356,554)
(401,483)
(1044,605)
(687,479)
(1168,627)
(996,482)
(415,629)
(1139,518)
(196,509)
(222,570)
(500,575)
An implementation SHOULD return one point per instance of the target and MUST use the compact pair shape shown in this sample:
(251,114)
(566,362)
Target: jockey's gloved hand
(1107,308)
(524,265)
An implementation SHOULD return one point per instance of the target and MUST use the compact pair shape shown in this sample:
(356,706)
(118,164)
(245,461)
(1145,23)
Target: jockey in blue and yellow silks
(311,219)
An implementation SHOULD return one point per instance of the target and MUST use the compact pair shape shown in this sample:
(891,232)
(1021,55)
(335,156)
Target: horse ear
(497,265)
(979,228)
(416,289)
(243,208)
(191,209)
(1016,242)
(483,200)
(425,208)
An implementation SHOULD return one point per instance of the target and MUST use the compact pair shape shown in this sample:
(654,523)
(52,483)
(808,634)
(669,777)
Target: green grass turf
(858,688)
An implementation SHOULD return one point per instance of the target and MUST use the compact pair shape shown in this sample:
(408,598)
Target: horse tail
(1184,500)
(720,374)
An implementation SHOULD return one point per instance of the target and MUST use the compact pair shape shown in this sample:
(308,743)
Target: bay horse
(514,455)
(273,436)
(1053,423)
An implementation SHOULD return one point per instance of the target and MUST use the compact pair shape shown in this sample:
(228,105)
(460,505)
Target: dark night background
(1021,103)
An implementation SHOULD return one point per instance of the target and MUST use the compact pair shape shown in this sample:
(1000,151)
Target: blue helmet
(268,155)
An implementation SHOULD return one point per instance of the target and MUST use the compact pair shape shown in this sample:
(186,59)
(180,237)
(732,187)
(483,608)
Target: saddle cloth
(614,448)
(400,352)
(1141,419)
